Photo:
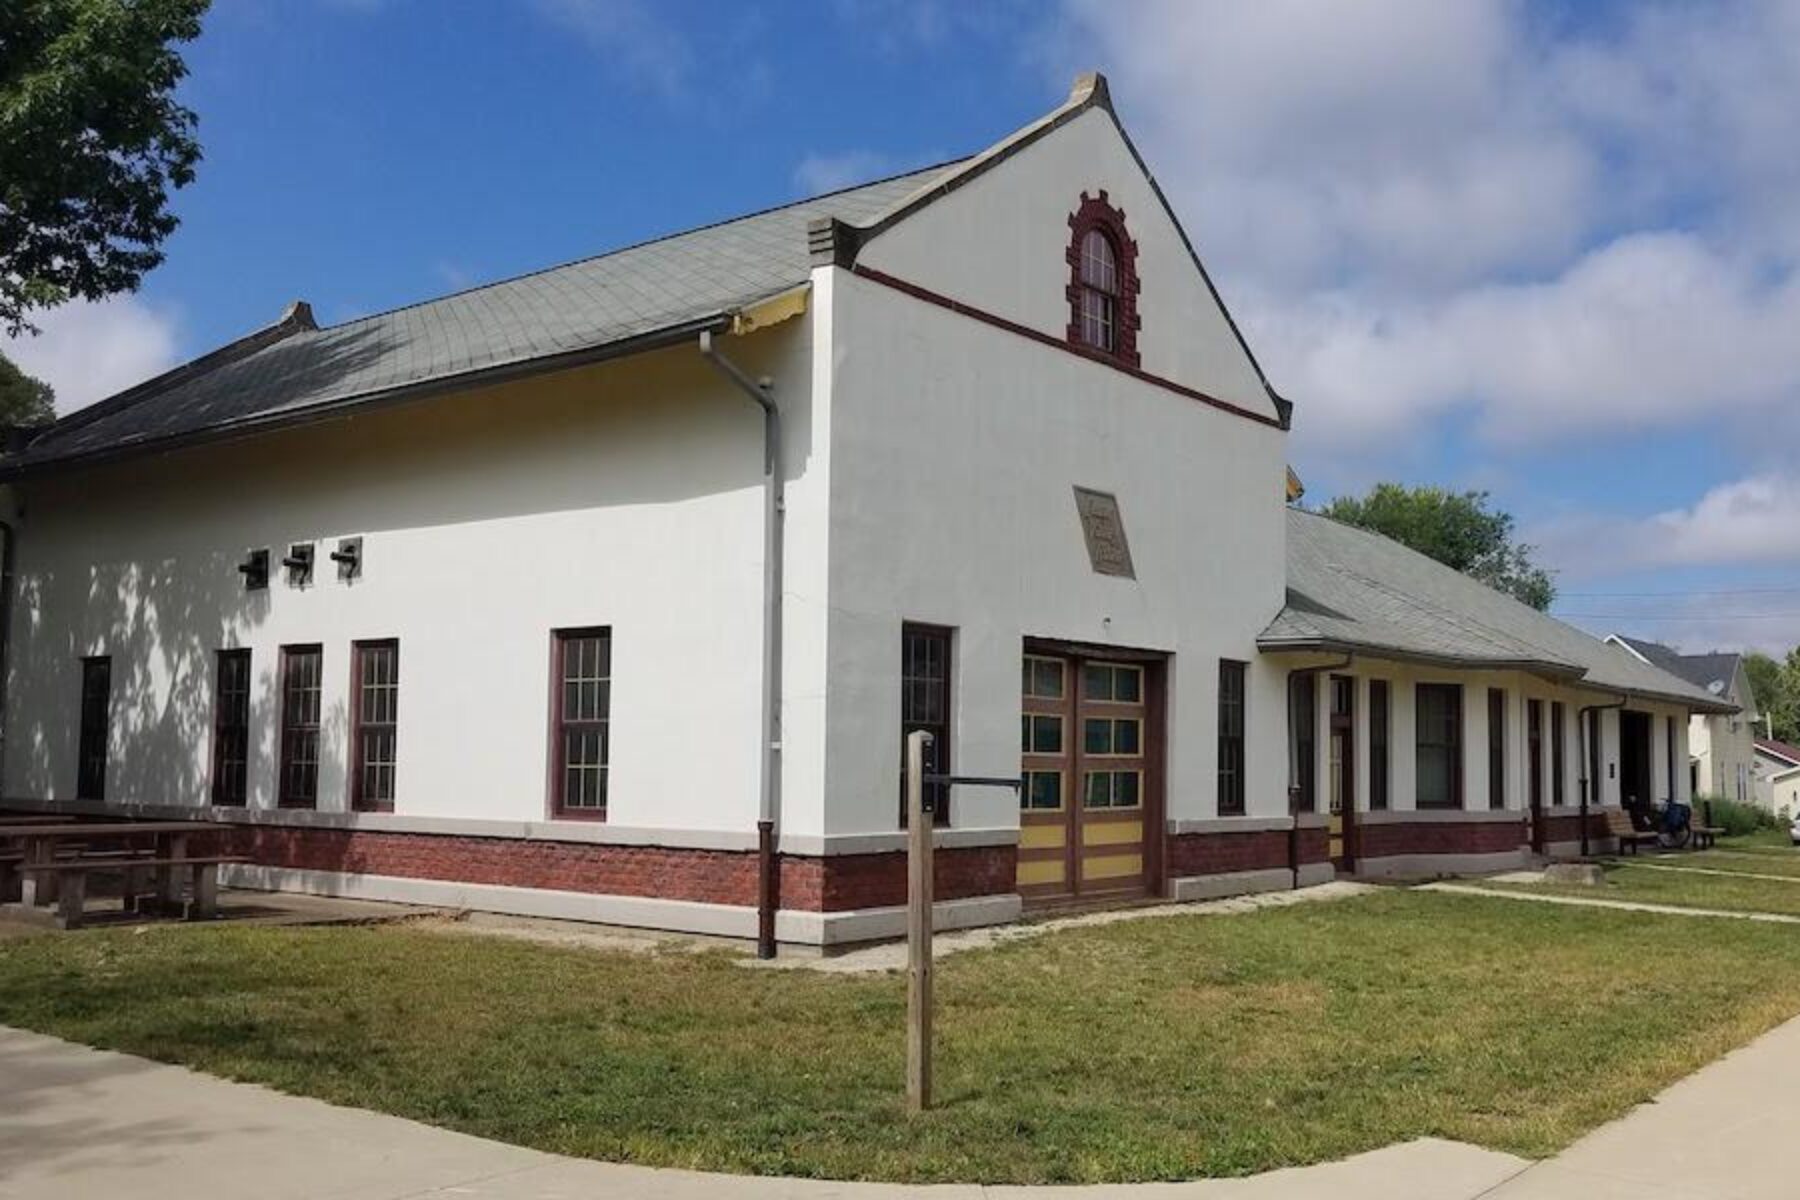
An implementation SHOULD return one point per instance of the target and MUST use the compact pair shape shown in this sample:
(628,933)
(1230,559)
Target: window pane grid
(300,706)
(1439,749)
(1112,789)
(584,743)
(1042,791)
(1043,679)
(231,729)
(925,705)
(377,718)
(1112,683)
(1231,739)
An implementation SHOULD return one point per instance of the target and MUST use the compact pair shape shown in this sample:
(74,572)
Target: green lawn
(1651,883)
(1751,860)
(1153,1049)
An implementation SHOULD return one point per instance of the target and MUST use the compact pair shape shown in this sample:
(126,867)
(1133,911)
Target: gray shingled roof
(1701,670)
(664,285)
(1349,589)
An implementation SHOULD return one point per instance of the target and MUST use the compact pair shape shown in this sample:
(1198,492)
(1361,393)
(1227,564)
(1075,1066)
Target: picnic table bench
(52,857)
(1620,829)
(72,876)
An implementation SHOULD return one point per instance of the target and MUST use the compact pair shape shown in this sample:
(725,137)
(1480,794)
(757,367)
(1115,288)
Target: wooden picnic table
(41,840)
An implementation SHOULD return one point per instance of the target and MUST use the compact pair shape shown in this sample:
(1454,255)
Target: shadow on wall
(162,625)
(138,560)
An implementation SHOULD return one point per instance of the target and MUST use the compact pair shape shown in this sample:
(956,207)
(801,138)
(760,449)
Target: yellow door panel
(1040,837)
(1049,870)
(1112,866)
(1112,833)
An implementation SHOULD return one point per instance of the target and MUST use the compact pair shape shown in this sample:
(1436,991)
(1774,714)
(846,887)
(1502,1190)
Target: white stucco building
(489,601)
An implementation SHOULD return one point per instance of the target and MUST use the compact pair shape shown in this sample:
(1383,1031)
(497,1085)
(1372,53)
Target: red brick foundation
(1226,853)
(1499,836)
(1566,827)
(829,884)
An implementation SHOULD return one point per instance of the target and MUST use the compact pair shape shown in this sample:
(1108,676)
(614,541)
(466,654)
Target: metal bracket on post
(918,911)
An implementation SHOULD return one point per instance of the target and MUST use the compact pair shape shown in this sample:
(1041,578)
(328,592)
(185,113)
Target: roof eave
(657,339)
(1573,674)
(1324,645)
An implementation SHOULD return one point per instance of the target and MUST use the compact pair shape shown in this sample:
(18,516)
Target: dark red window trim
(295,733)
(361,656)
(1098,213)
(559,726)
(231,729)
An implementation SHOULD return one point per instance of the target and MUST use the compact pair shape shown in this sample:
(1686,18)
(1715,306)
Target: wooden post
(918,927)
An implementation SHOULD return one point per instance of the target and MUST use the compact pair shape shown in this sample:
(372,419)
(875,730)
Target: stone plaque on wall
(1104,531)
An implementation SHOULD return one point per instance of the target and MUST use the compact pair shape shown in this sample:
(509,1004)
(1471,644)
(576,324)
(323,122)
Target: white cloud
(1419,207)
(1648,332)
(632,36)
(820,173)
(1750,521)
(87,351)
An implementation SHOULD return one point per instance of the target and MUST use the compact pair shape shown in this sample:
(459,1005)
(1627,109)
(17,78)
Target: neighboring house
(1777,774)
(486,602)
(1723,759)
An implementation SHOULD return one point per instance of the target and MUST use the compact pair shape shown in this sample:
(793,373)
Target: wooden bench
(1706,834)
(1621,830)
(72,874)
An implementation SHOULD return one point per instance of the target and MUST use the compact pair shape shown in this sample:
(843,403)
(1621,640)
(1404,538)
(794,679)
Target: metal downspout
(762,391)
(1587,758)
(1294,756)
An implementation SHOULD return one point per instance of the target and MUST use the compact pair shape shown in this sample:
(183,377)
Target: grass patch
(1155,1049)
(1763,841)
(1650,884)
(1751,861)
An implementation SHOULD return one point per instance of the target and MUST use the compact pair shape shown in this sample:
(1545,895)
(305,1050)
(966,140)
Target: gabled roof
(644,296)
(671,286)
(1715,672)
(1779,750)
(1356,591)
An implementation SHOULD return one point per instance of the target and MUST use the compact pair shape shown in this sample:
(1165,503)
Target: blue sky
(1545,250)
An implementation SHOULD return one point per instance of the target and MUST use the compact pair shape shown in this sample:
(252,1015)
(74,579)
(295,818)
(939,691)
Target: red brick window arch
(1103,282)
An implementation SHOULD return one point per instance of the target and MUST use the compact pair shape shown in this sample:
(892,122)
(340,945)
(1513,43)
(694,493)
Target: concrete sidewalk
(77,1122)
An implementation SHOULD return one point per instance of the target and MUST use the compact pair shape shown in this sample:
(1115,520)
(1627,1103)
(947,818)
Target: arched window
(1103,282)
(1099,292)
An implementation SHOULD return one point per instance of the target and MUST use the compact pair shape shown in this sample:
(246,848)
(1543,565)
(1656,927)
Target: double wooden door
(1090,756)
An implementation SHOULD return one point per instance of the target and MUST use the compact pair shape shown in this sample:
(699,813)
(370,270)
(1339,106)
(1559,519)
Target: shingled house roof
(1352,590)
(684,282)
(1713,672)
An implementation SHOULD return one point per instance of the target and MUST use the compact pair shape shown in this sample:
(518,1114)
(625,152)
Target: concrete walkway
(1668,910)
(77,1122)
(1720,1134)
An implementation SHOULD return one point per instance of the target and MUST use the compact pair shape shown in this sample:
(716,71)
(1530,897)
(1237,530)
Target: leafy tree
(91,143)
(1456,528)
(24,400)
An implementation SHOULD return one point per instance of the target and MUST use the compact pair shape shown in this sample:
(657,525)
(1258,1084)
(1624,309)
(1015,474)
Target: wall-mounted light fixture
(299,564)
(255,570)
(348,557)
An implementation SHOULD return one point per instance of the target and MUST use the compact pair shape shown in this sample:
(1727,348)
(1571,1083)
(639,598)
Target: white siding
(626,495)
